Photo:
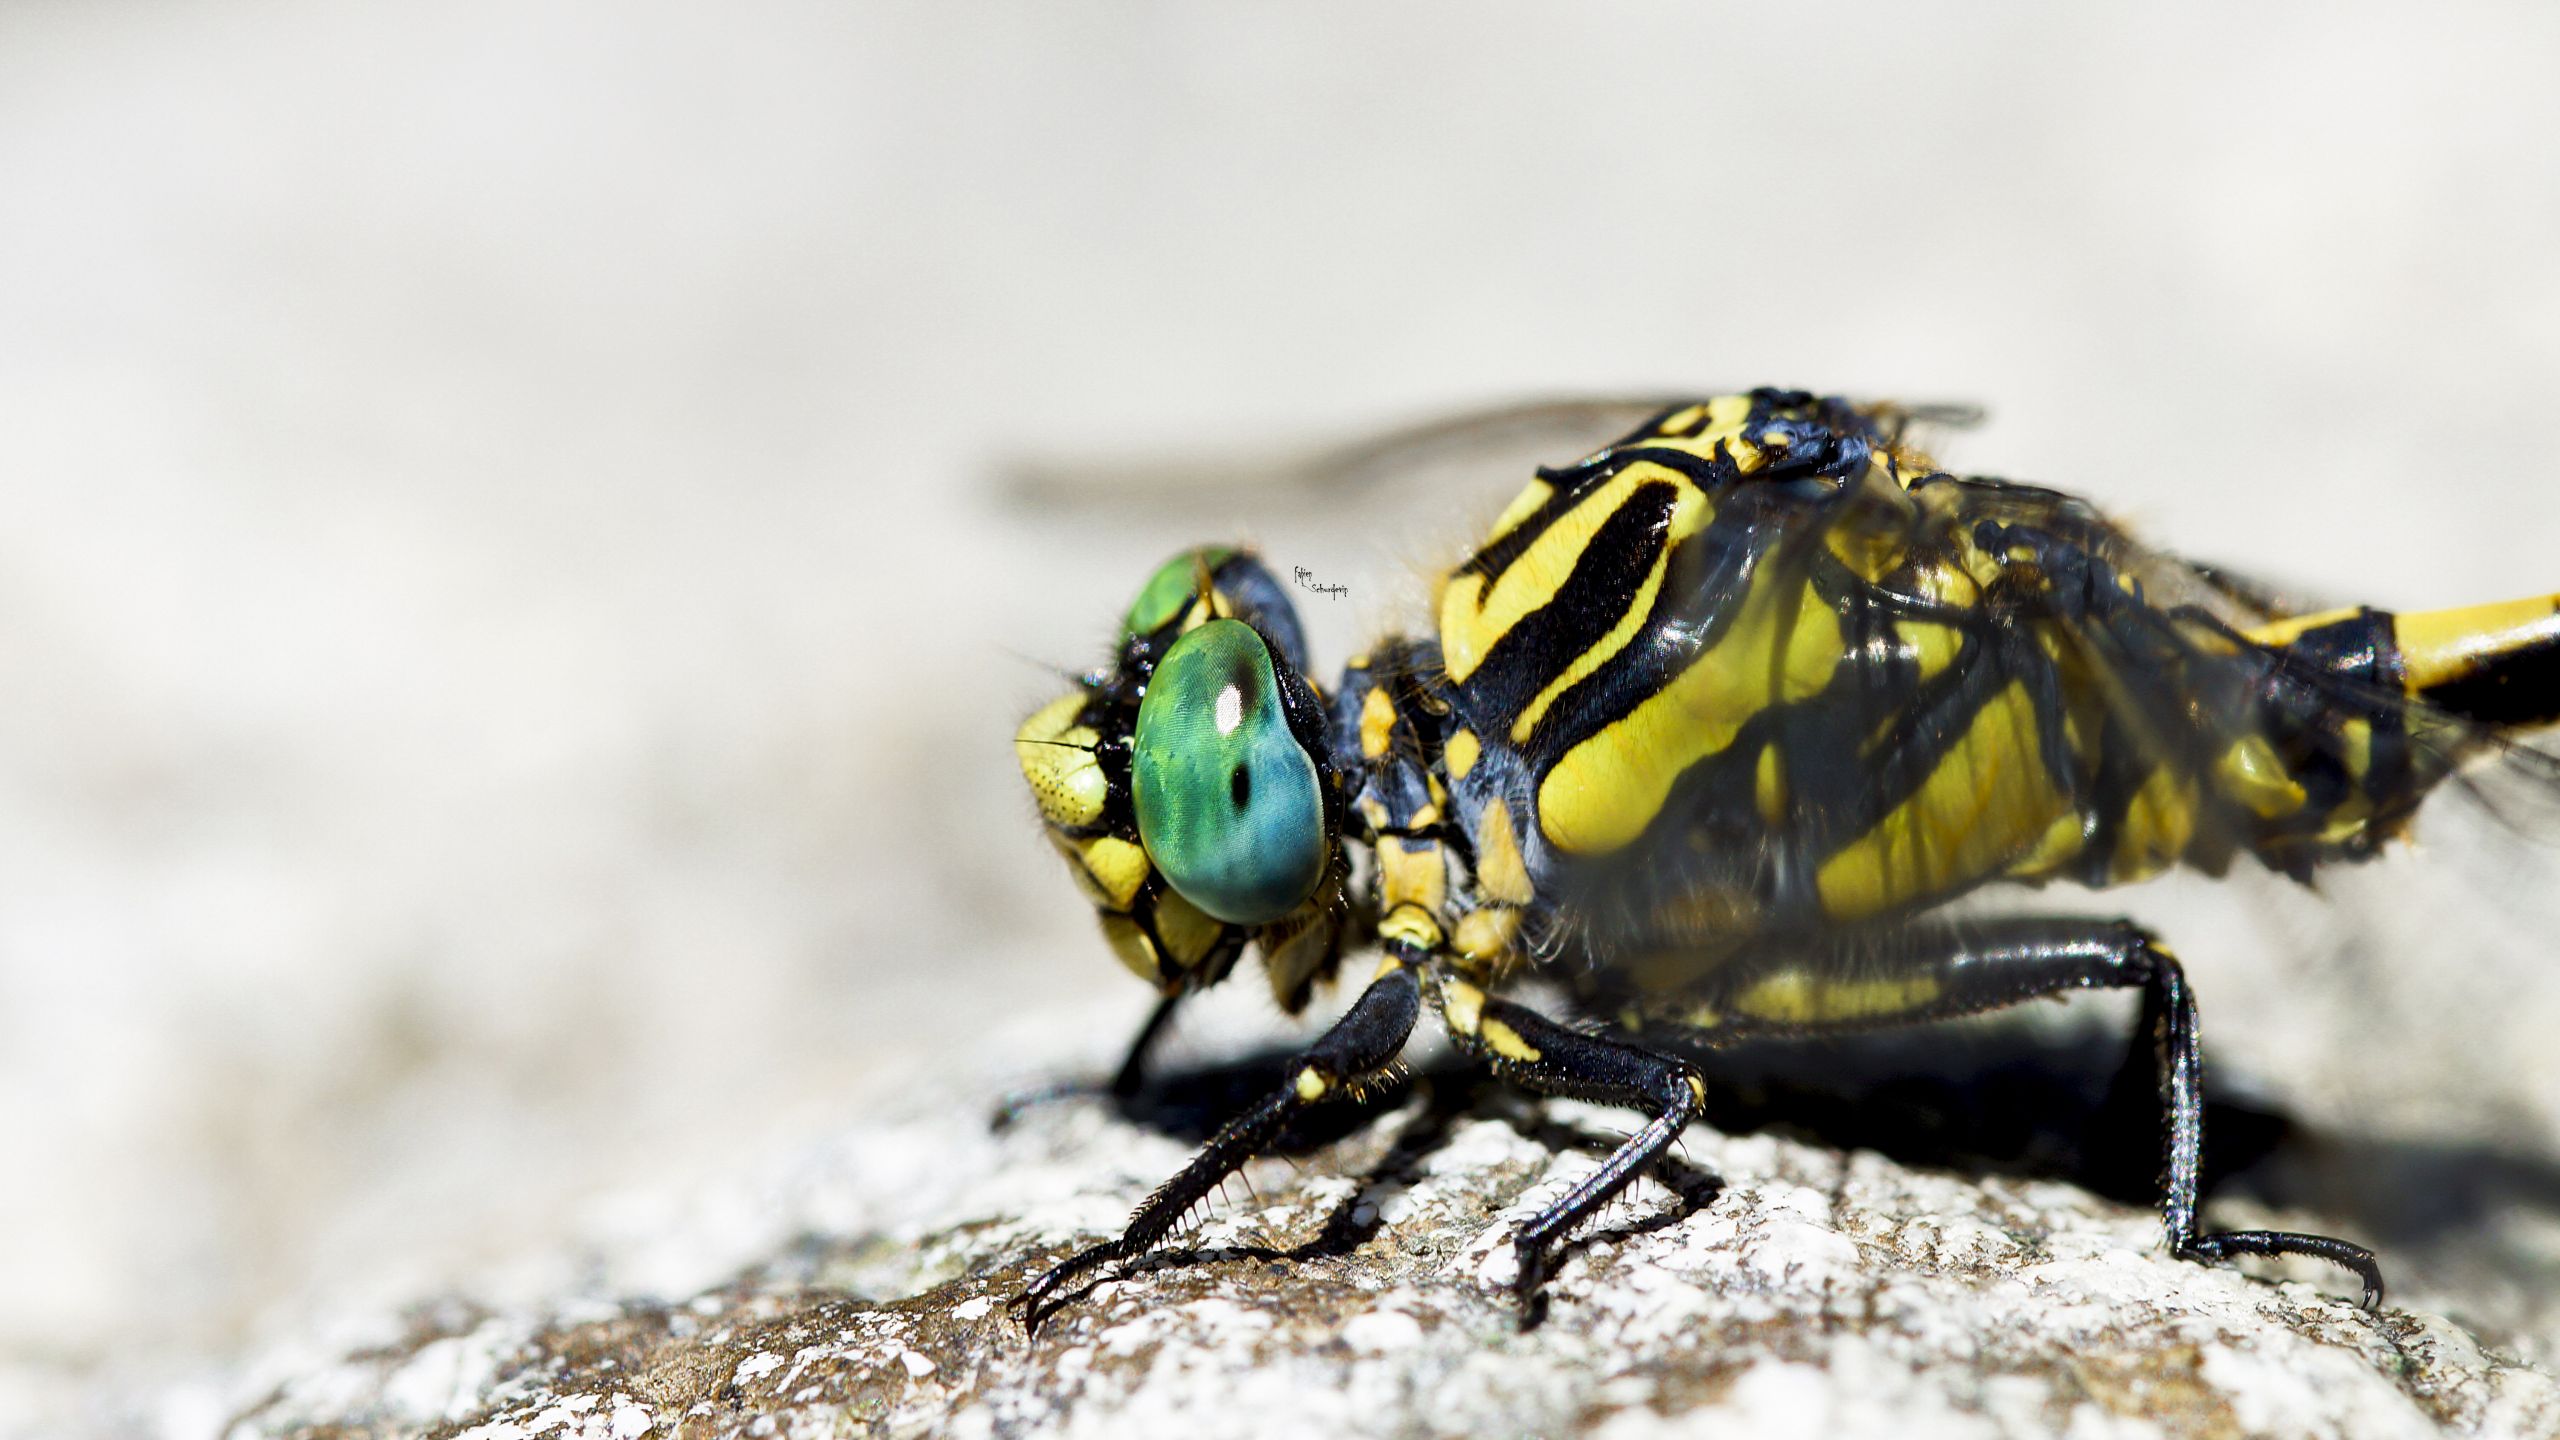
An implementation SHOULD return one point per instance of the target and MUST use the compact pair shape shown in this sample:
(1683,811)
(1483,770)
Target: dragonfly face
(1189,787)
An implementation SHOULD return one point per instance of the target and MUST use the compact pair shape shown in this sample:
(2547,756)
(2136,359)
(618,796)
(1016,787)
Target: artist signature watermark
(1307,581)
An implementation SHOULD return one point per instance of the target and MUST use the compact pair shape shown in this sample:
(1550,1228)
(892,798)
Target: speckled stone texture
(1765,1287)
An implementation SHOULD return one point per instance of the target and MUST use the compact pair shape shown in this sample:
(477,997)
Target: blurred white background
(508,624)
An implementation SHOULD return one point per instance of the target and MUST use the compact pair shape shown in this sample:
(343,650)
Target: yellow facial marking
(1986,805)
(1461,753)
(1377,722)
(1188,934)
(1792,997)
(1312,1086)
(1108,869)
(1130,944)
(1056,756)
(1500,873)
(1506,1042)
(1782,647)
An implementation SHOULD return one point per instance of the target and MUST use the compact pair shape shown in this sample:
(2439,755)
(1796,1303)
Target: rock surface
(1361,1287)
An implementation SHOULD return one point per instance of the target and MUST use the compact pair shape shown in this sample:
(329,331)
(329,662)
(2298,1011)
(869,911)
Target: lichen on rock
(1764,1286)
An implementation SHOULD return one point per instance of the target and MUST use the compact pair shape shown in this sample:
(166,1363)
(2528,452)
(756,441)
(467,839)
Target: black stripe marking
(1593,599)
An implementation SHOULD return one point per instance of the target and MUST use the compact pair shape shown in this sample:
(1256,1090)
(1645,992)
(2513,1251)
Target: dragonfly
(1707,736)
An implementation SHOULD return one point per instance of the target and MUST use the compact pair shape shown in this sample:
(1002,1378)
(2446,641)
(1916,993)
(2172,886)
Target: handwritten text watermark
(1307,581)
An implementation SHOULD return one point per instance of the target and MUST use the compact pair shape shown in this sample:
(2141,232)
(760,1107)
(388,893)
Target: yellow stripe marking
(2442,646)
(2157,826)
(1462,1006)
(2276,634)
(1377,722)
(1412,872)
(1410,925)
(1508,1043)
(1522,506)
(2059,846)
(1500,873)
(1932,646)
(1792,997)
(1461,753)
(1487,934)
(1986,804)
(1472,618)
(2250,773)
(2359,754)
(1688,516)
(1782,647)
(1770,788)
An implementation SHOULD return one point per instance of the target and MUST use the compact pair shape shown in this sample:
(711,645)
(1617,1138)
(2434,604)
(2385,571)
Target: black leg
(1926,973)
(1125,1083)
(2169,1017)
(1534,1052)
(1132,1074)
(1365,1041)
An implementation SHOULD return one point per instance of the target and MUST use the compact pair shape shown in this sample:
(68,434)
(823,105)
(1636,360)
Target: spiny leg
(1931,973)
(1364,1042)
(1534,1052)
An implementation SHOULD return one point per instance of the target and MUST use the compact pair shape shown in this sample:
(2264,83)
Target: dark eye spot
(1240,786)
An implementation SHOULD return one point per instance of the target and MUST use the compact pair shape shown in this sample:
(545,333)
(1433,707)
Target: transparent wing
(1509,437)
(1989,684)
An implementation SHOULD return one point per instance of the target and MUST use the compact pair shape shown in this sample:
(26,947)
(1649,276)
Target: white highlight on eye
(1230,710)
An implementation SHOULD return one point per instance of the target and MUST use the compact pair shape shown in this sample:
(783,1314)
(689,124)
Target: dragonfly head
(1189,787)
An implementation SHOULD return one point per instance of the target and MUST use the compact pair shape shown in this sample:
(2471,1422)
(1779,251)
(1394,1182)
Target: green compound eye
(1171,588)
(1228,801)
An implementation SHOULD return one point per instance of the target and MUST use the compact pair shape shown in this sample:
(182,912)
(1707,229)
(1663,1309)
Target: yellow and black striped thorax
(1760,667)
